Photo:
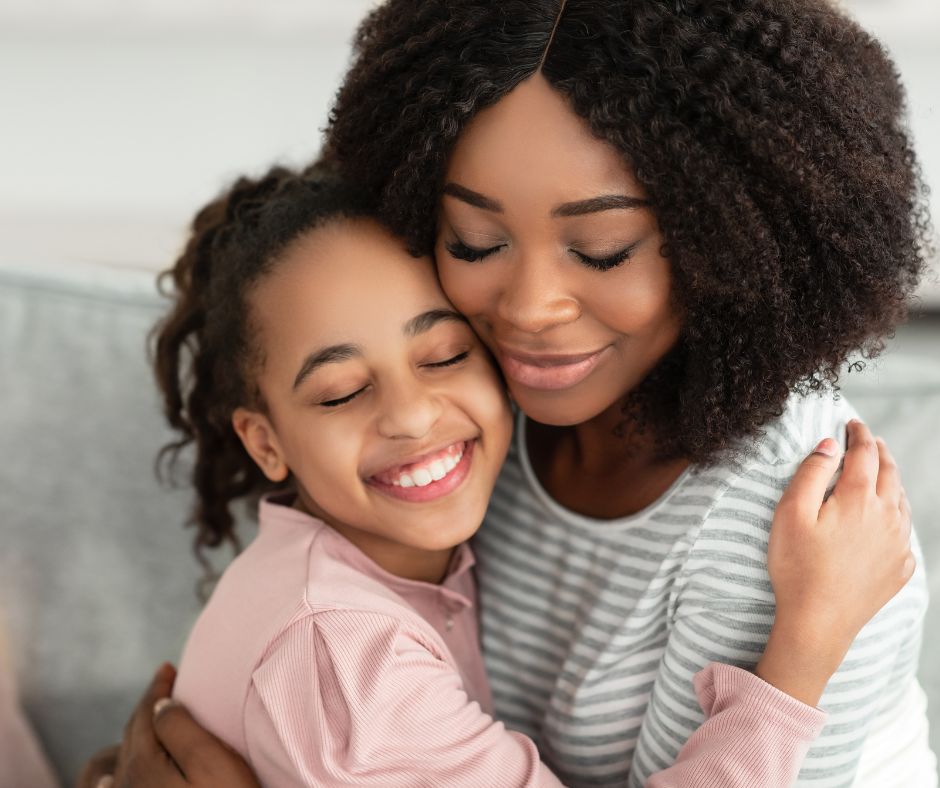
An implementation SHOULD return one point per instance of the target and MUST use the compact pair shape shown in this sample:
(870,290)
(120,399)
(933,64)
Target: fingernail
(827,447)
(161,705)
(105,782)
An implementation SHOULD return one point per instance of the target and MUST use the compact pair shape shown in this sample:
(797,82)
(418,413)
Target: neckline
(276,508)
(576,518)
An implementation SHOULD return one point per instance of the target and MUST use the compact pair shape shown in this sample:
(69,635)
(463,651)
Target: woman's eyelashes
(470,254)
(607,262)
(451,361)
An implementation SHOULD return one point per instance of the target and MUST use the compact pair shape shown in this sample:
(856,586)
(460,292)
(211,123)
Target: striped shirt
(593,629)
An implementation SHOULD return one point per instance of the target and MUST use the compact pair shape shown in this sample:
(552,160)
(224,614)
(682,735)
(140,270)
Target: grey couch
(97,581)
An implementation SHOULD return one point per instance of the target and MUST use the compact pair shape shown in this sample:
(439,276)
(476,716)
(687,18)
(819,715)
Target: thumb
(807,489)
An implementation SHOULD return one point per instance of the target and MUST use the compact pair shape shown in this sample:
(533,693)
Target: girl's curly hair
(769,135)
(205,353)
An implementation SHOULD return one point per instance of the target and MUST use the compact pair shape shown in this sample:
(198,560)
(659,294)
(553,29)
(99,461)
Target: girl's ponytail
(204,351)
(199,350)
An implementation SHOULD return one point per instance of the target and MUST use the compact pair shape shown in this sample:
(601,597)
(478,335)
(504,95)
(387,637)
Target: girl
(310,354)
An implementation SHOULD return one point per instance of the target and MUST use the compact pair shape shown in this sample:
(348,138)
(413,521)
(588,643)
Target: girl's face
(379,397)
(545,242)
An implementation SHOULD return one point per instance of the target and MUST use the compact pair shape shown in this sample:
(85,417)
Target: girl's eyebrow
(326,355)
(427,320)
(605,202)
(343,352)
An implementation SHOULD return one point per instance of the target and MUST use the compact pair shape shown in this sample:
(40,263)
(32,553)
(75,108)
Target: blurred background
(122,116)
(118,118)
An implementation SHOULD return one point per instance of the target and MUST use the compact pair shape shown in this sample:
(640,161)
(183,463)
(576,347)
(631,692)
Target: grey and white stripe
(592,630)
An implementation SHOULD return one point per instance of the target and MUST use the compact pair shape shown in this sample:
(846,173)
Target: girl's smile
(428,478)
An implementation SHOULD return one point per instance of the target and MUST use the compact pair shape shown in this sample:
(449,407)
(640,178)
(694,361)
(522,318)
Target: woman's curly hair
(205,350)
(769,136)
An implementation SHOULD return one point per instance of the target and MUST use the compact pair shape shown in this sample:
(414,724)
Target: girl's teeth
(436,471)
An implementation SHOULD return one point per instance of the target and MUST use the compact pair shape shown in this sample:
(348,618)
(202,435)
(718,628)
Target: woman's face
(545,242)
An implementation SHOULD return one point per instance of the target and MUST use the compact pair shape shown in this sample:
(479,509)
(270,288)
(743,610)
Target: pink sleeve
(349,698)
(753,734)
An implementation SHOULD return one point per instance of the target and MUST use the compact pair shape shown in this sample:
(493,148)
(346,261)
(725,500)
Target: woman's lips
(547,372)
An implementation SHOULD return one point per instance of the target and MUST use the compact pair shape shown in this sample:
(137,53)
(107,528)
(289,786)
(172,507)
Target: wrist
(800,661)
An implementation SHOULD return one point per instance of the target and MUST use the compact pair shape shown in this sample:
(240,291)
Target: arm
(167,749)
(361,698)
(754,733)
(832,567)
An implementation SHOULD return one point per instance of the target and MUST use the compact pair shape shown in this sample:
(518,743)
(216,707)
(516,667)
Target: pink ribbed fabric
(322,669)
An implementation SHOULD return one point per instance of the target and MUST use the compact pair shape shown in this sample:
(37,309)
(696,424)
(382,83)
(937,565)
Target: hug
(534,380)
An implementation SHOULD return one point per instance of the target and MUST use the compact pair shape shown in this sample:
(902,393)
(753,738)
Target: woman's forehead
(532,137)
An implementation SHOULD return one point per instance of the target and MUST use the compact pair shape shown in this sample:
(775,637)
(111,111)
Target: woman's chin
(557,408)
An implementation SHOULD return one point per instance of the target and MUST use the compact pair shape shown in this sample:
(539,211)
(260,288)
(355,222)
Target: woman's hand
(834,564)
(164,747)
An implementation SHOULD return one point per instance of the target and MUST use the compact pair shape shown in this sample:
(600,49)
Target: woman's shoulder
(804,421)
(747,486)
(784,441)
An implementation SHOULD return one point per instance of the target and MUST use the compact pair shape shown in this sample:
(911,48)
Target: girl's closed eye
(337,401)
(449,362)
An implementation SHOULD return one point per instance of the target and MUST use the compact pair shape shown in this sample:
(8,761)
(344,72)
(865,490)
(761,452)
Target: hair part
(205,352)
(770,138)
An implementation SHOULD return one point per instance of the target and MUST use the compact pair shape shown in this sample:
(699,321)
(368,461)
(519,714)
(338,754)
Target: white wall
(119,117)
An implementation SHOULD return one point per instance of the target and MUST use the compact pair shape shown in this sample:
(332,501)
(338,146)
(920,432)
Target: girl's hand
(834,564)
(167,748)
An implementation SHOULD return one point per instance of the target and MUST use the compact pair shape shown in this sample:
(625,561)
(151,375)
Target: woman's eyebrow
(607,202)
(473,198)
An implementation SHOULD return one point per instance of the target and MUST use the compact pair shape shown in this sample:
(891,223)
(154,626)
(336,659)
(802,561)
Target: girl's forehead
(346,278)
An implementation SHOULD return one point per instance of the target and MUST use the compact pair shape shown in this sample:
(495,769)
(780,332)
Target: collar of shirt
(455,592)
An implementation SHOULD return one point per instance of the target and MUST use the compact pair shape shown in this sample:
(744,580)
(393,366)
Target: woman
(671,223)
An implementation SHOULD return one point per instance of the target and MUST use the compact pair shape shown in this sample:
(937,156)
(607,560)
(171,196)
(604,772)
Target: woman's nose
(408,409)
(535,297)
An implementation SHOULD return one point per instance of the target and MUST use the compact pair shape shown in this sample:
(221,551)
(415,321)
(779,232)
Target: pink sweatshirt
(322,669)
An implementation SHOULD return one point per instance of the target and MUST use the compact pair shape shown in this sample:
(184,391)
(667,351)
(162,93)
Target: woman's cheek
(464,285)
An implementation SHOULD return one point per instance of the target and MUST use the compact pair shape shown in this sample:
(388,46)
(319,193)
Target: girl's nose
(534,298)
(408,410)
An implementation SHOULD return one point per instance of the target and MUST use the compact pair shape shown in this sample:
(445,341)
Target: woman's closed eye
(608,261)
(470,254)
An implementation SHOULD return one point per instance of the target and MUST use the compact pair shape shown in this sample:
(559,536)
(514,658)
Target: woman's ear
(260,441)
